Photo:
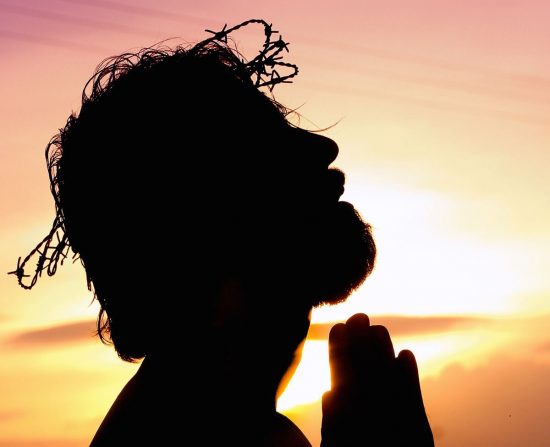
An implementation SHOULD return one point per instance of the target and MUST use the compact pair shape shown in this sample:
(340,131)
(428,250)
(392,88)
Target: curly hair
(176,172)
(117,103)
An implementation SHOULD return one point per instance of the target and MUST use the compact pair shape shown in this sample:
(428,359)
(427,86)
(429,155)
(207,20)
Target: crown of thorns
(55,248)
(263,68)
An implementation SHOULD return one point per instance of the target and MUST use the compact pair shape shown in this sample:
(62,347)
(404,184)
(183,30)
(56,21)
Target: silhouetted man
(209,227)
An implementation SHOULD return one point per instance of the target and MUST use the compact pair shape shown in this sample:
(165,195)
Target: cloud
(57,442)
(8,415)
(503,402)
(400,326)
(66,333)
(83,331)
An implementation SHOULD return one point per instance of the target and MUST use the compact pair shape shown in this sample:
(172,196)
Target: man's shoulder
(285,433)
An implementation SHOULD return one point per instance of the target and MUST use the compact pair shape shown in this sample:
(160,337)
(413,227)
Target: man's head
(179,175)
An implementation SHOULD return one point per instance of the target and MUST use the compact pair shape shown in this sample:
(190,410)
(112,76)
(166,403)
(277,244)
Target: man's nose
(319,148)
(328,149)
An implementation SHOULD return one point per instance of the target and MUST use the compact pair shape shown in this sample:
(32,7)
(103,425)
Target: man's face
(312,248)
(328,248)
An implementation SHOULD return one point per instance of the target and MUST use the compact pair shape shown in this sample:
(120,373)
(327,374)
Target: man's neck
(219,378)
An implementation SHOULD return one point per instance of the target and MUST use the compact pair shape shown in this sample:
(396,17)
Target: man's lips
(335,182)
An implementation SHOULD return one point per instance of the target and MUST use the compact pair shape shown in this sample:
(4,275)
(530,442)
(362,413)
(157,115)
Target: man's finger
(338,353)
(381,344)
(408,375)
(408,385)
(358,327)
(411,403)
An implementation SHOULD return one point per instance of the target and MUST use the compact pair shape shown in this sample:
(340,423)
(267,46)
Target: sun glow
(310,380)
(433,354)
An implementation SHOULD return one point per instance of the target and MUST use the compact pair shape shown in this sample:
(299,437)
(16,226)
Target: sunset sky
(443,123)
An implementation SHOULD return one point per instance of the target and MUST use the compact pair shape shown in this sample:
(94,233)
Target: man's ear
(229,304)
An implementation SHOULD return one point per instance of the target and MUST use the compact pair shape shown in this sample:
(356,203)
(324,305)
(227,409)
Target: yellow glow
(311,379)
(468,347)
(433,354)
(424,267)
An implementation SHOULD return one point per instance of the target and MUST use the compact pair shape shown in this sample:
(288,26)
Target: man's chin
(345,255)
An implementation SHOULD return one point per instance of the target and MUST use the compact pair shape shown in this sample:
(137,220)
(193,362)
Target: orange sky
(443,112)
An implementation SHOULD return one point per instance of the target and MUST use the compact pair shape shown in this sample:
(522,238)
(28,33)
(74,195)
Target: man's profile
(209,227)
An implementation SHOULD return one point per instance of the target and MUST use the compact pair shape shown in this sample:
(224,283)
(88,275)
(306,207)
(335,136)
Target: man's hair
(159,120)
(179,173)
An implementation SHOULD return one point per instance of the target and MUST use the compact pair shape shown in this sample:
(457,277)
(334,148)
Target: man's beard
(322,259)
(315,252)
(342,255)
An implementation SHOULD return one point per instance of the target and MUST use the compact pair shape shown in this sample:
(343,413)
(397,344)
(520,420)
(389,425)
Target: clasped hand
(375,398)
